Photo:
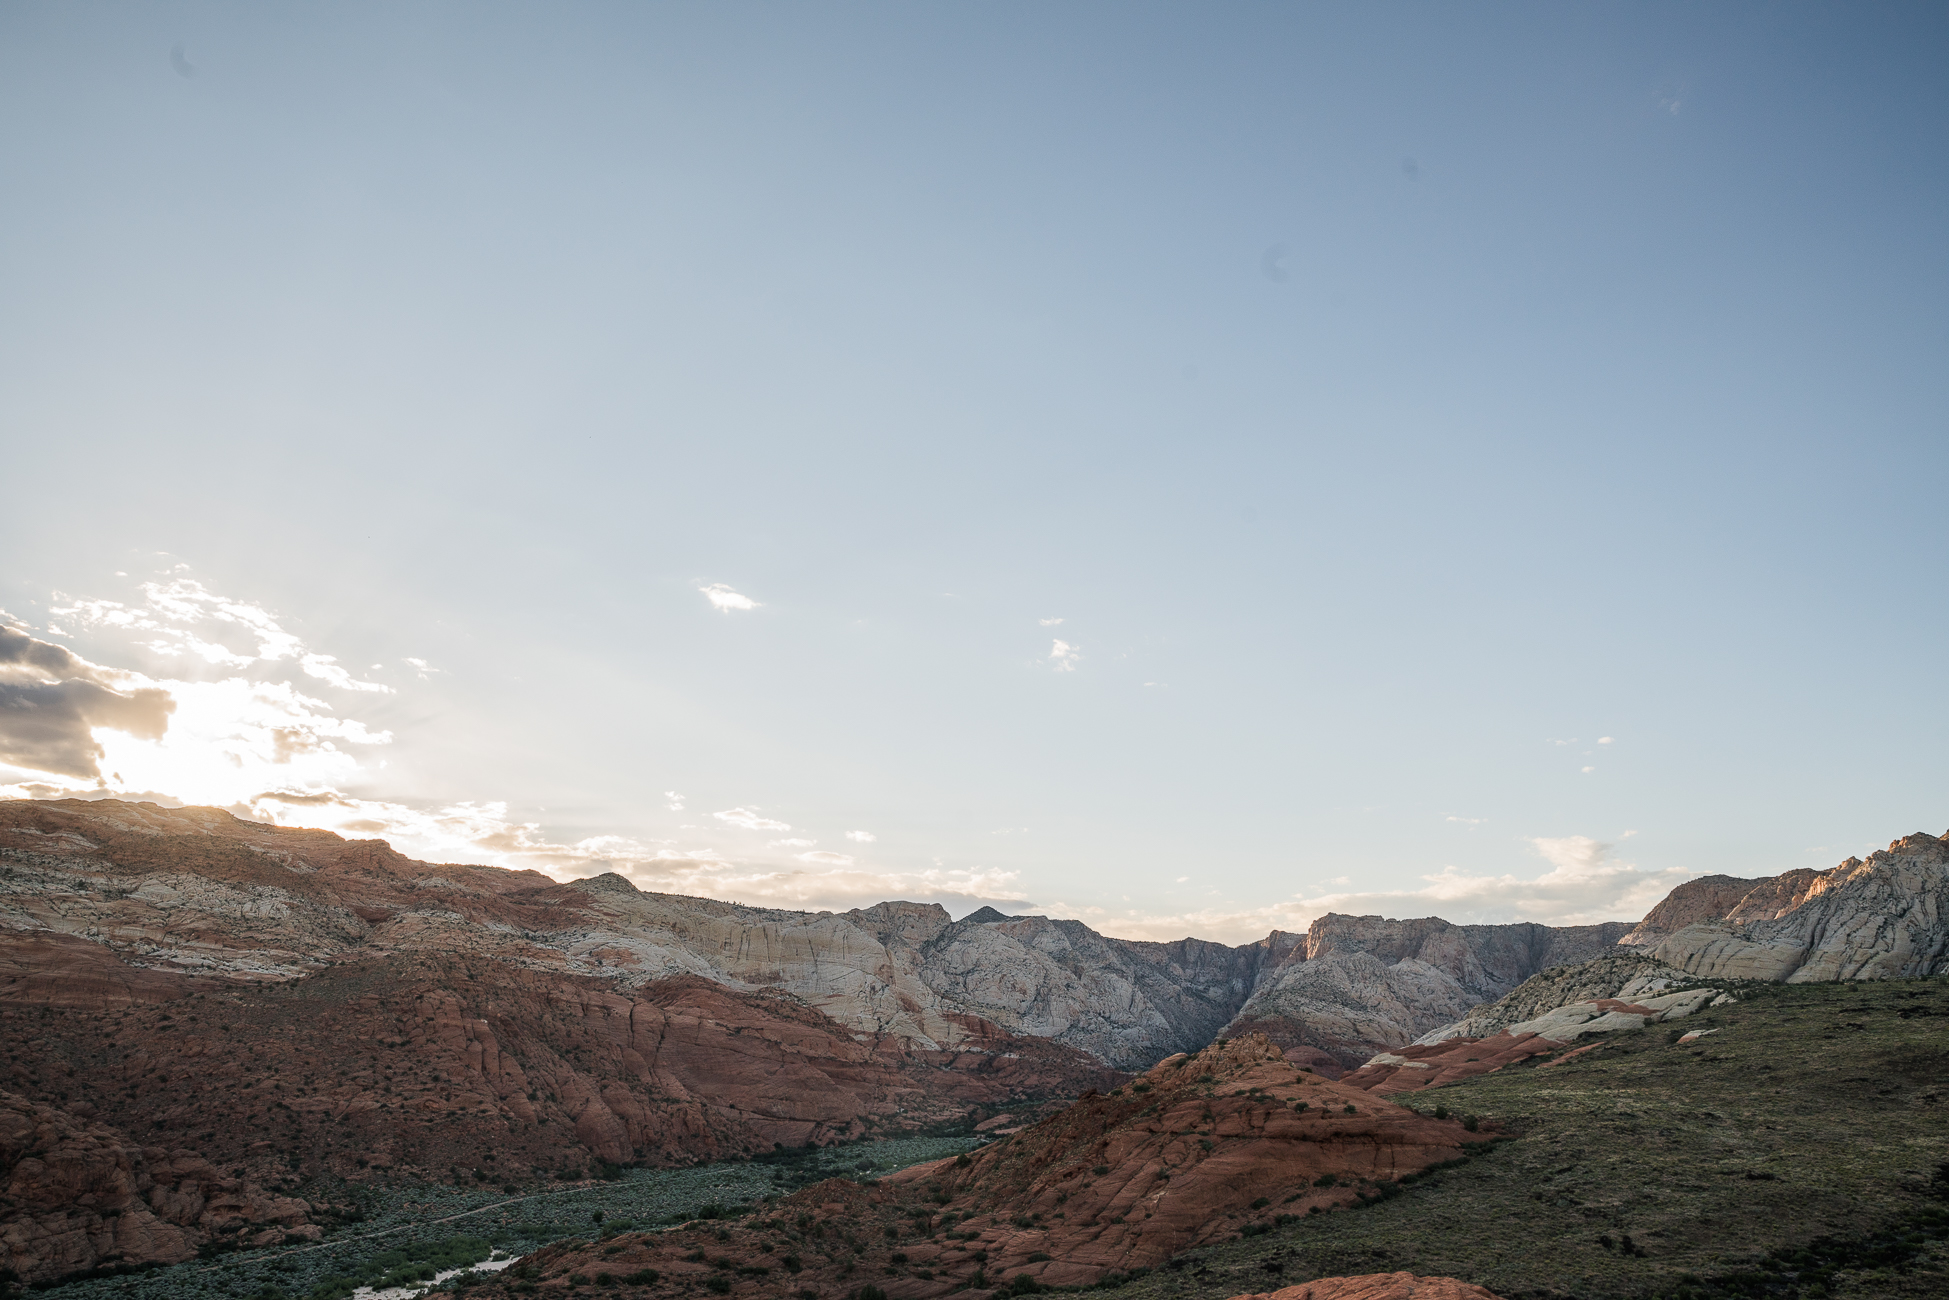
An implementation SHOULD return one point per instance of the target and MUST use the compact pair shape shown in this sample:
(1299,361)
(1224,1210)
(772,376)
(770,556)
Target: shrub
(1023,1284)
(1301,1105)
(961,1161)
(1038,1256)
(869,1292)
(1262,1202)
(643,1277)
(1100,1170)
(1468,1122)
(1325,1180)
(1441,1112)
(1140,1087)
(719,1283)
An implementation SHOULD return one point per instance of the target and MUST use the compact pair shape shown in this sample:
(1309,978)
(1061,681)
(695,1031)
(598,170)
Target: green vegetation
(1800,1151)
(404,1266)
(399,1235)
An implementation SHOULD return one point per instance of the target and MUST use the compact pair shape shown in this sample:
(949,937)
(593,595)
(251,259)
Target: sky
(1185,467)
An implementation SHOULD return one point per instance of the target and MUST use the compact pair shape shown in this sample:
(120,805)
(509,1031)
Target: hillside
(1804,1143)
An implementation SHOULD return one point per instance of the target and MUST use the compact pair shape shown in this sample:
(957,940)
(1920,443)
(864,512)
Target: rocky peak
(606,883)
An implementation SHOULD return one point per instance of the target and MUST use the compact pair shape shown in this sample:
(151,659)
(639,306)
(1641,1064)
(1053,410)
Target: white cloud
(676,803)
(791,844)
(1590,769)
(1064,656)
(749,819)
(861,837)
(205,742)
(724,599)
(1607,740)
(1468,821)
(325,668)
(172,607)
(821,858)
(1584,885)
(1051,622)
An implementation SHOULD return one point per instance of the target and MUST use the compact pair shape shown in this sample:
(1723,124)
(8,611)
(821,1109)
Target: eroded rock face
(1379,1286)
(1193,1151)
(128,900)
(1629,974)
(1887,917)
(436,1068)
(78,1197)
(1363,982)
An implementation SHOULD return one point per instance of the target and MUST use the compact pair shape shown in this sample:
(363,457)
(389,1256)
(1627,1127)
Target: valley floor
(404,1217)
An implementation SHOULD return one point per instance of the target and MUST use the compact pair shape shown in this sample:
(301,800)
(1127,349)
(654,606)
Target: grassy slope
(1815,1111)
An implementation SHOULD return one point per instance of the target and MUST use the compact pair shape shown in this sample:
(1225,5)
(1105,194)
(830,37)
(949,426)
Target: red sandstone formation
(1378,1286)
(1410,1069)
(438,1066)
(1192,1152)
(77,1196)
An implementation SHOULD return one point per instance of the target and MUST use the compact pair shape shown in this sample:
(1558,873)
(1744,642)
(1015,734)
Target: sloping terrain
(1361,982)
(1197,1149)
(195,891)
(435,1068)
(1798,1149)
(1887,917)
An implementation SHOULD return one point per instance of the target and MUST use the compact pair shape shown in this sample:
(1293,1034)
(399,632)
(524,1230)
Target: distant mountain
(1885,918)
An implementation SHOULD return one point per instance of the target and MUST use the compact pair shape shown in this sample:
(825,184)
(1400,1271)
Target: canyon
(199,1016)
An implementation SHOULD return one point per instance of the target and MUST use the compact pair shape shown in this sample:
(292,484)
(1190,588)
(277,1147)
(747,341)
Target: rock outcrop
(79,1197)
(1887,917)
(437,1068)
(1195,1150)
(1627,974)
(1361,982)
(127,900)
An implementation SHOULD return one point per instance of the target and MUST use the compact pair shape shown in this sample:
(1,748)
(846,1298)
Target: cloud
(484,833)
(172,607)
(1050,622)
(325,668)
(790,844)
(1064,656)
(749,819)
(52,700)
(724,599)
(861,837)
(676,803)
(1607,740)
(1590,769)
(1467,821)
(85,728)
(1584,885)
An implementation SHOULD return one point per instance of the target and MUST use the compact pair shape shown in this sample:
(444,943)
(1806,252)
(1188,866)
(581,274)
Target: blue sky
(1392,402)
